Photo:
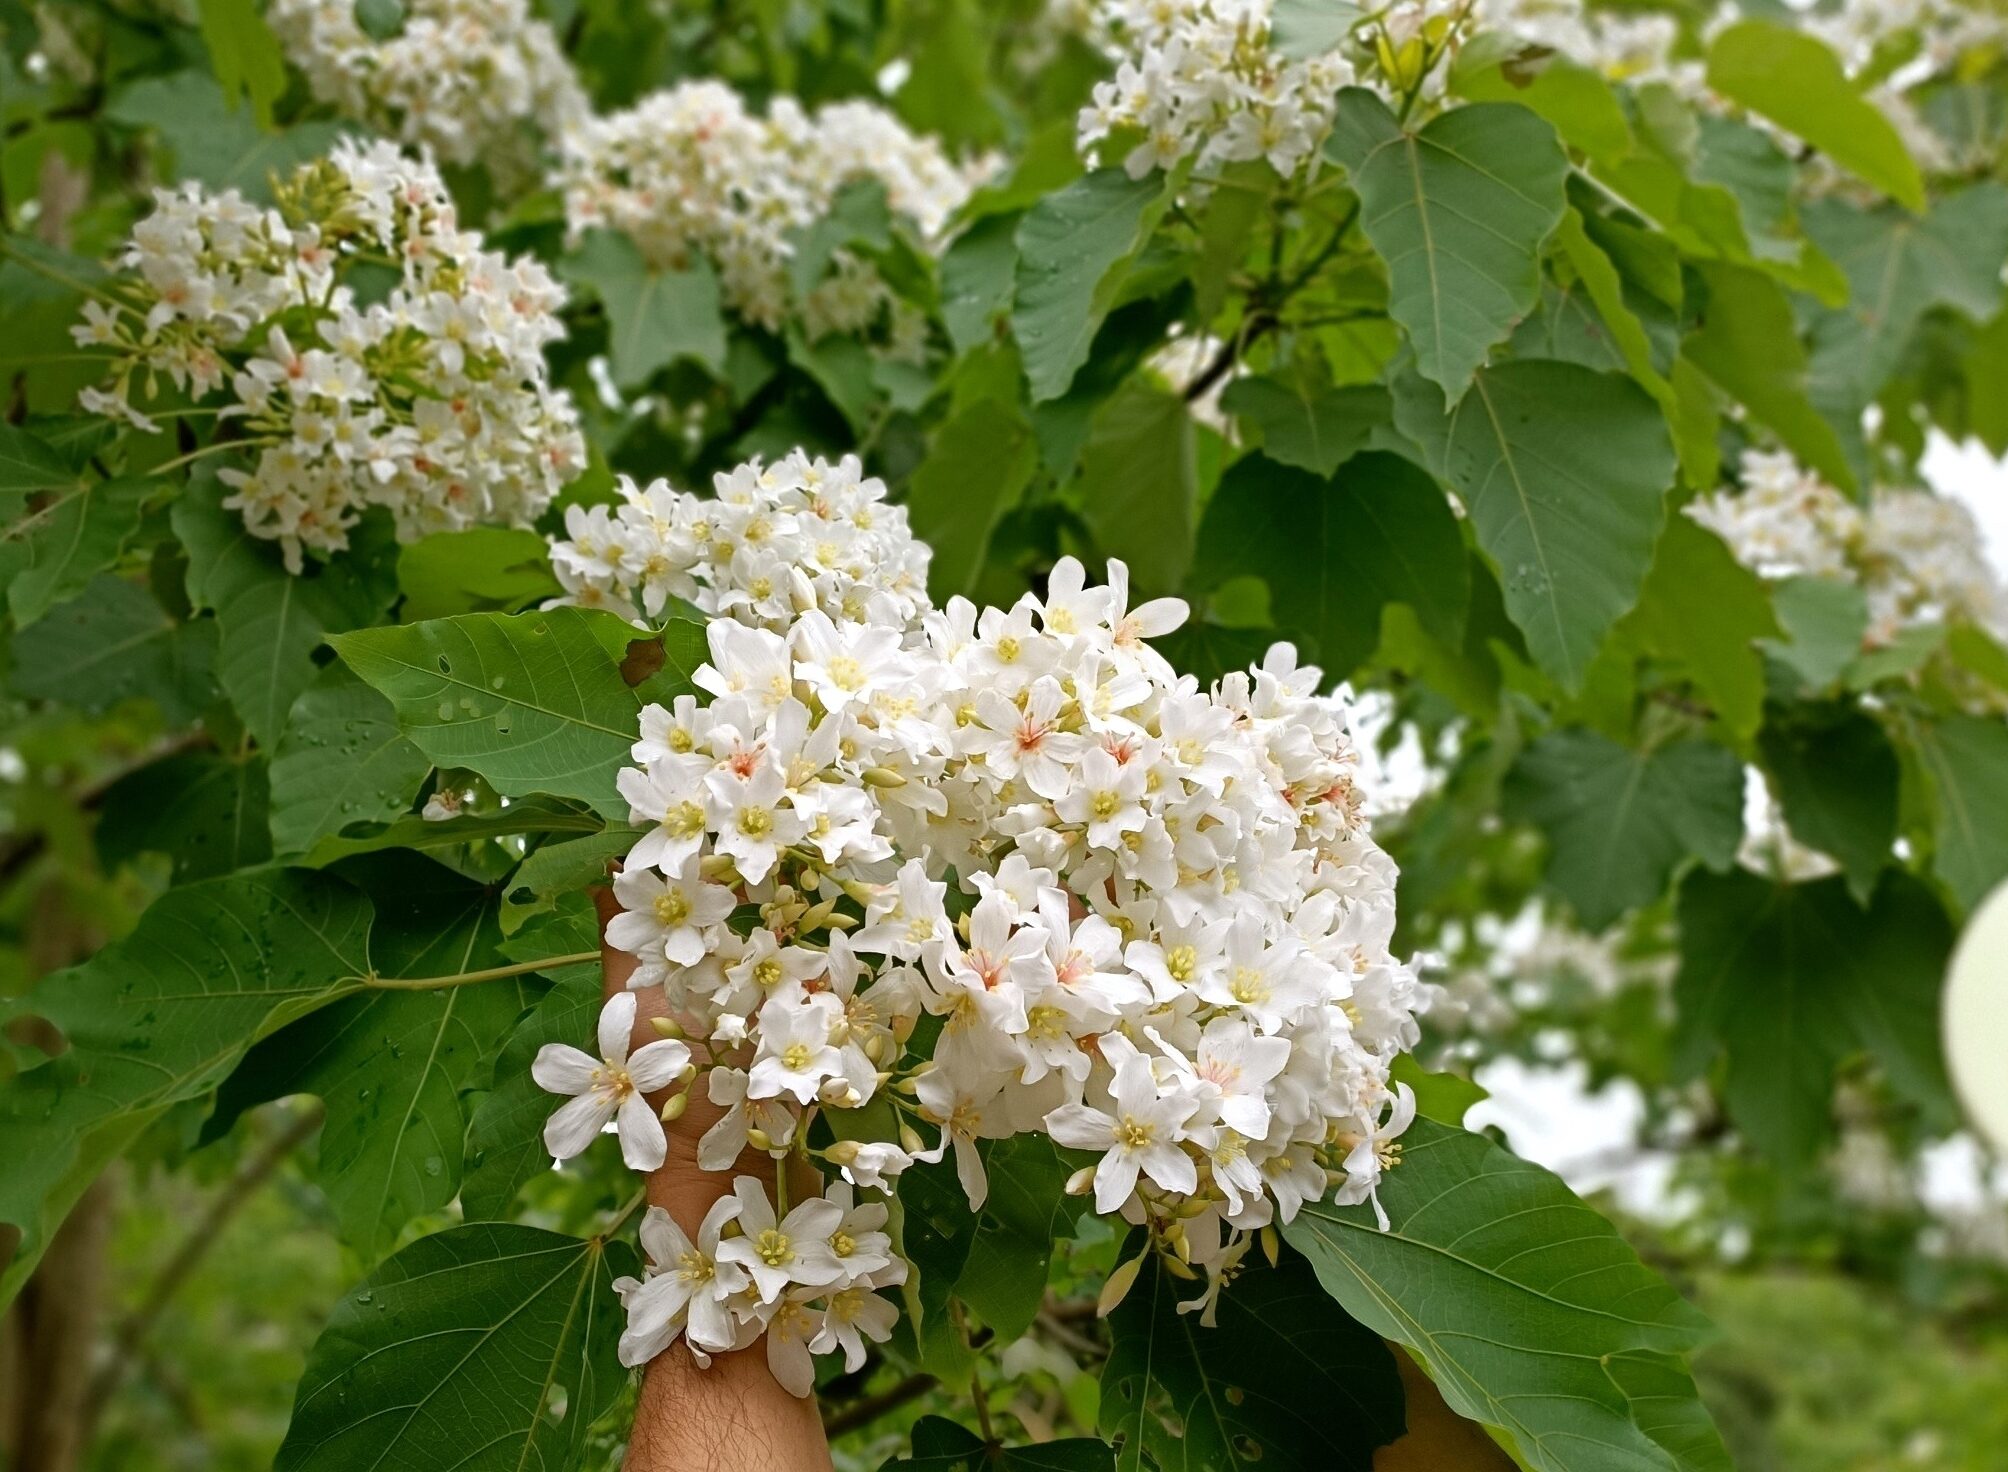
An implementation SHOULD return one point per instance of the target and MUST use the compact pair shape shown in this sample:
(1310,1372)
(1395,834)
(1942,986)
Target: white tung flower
(609,1089)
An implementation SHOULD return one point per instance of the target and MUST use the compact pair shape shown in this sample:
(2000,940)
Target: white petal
(616,1026)
(643,1144)
(576,1124)
(656,1065)
(563,1069)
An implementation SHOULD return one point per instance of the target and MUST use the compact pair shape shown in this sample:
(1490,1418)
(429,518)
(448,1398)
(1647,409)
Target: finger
(617,967)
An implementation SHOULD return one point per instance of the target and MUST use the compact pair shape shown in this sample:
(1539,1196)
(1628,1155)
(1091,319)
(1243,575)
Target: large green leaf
(1458,211)
(1748,345)
(1899,267)
(1782,73)
(1619,821)
(391,1065)
(1836,776)
(481,569)
(1072,246)
(653,317)
(1336,552)
(113,643)
(1280,1381)
(160,1017)
(977,274)
(341,760)
(1004,1277)
(1527,1309)
(1302,29)
(1966,758)
(269,621)
(1562,470)
(1138,485)
(976,468)
(206,812)
(533,702)
(487,1348)
(1789,980)
(1576,98)
(209,140)
(505,1129)
(244,54)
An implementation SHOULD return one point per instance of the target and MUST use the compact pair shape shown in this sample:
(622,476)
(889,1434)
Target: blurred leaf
(1004,1277)
(212,142)
(483,569)
(1619,822)
(60,529)
(1789,980)
(653,317)
(1527,1309)
(939,1445)
(1280,1381)
(244,53)
(977,466)
(486,1348)
(1966,758)
(1138,485)
(1458,211)
(1705,611)
(1562,470)
(1836,776)
(161,1017)
(115,643)
(1336,552)
(206,812)
(1792,78)
(1823,620)
(1494,67)
(977,274)
(1312,426)
(1303,29)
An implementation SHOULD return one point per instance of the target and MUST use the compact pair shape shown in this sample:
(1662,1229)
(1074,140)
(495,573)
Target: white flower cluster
(691,170)
(775,541)
(473,80)
(432,401)
(1917,556)
(1201,79)
(993,872)
(1624,45)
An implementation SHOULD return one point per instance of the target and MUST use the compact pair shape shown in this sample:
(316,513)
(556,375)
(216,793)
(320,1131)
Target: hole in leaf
(556,1400)
(644,658)
(1248,1448)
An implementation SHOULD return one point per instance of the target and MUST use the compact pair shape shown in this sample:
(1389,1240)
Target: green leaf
(505,1131)
(483,569)
(380,20)
(1303,29)
(1138,484)
(161,1017)
(1836,775)
(1899,267)
(244,54)
(1748,345)
(30,466)
(1443,1097)
(340,760)
(1790,980)
(1458,211)
(976,469)
(1004,1277)
(1336,551)
(536,815)
(533,702)
(1706,612)
(858,216)
(653,317)
(1966,759)
(222,146)
(1073,247)
(1280,1381)
(939,1445)
(1600,279)
(59,537)
(1308,424)
(1527,1309)
(112,644)
(1619,822)
(269,621)
(1823,620)
(1792,78)
(207,813)
(557,868)
(457,1353)
(1562,470)
(977,274)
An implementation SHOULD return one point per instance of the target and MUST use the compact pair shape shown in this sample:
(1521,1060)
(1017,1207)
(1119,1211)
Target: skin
(732,1417)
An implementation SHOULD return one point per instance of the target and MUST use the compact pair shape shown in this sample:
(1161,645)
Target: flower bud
(883,777)
(673,1107)
(844,1152)
(666,1027)
(1178,1269)
(1117,1287)
(1081,1181)
(1271,1244)
(759,1139)
(910,1140)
